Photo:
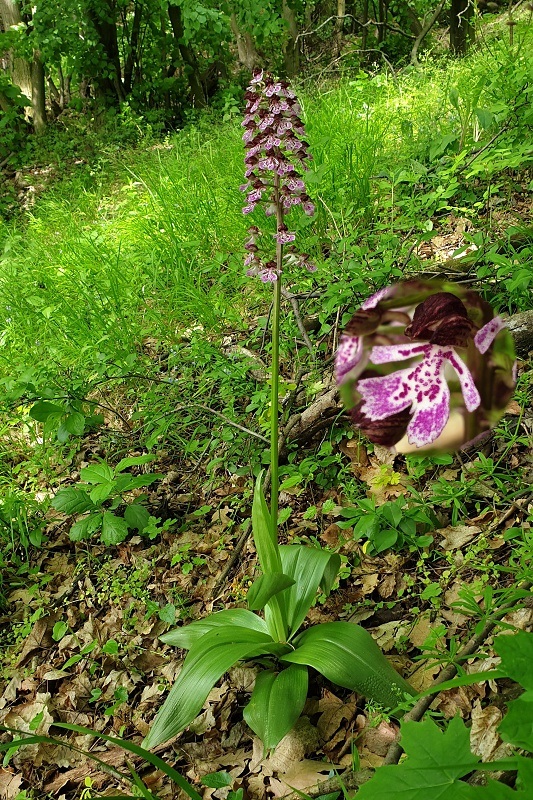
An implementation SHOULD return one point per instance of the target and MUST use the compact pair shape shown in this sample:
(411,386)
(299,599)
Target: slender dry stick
(297,316)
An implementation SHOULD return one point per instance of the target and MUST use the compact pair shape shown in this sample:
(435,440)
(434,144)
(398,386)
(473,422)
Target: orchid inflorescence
(276,153)
(460,360)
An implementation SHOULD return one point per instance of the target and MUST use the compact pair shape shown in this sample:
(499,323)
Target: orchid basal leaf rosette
(425,364)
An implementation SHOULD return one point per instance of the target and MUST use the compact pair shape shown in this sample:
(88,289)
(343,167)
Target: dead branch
(424,32)
(296,311)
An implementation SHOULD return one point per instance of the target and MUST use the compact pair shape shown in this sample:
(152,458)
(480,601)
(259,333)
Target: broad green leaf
(517,725)
(276,703)
(72,501)
(127,482)
(188,635)
(493,790)
(309,567)
(133,461)
(517,657)
(44,409)
(217,780)
(114,529)
(265,587)
(347,655)
(97,473)
(436,760)
(485,117)
(75,423)
(208,659)
(137,516)
(85,527)
(101,492)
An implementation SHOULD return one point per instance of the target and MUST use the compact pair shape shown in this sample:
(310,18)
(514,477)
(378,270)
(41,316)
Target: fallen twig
(296,311)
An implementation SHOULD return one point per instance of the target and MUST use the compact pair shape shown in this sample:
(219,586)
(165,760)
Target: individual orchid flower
(460,360)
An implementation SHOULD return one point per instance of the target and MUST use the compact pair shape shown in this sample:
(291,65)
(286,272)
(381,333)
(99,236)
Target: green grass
(148,244)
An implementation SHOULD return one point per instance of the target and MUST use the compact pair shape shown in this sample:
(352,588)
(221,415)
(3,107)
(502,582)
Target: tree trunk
(364,34)
(291,52)
(103,19)
(38,93)
(133,47)
(248,55)
(461,26)
(19,68)
(381,20)
(188,57)
(339,26)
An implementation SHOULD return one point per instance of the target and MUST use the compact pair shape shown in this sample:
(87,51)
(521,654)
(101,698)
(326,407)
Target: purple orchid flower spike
(276,155)
(459,376)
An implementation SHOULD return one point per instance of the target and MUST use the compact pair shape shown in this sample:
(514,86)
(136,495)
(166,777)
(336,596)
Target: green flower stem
(274,402)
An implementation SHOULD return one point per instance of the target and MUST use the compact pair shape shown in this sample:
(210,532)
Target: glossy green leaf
(265,587)
(114,529)
(188,635)
(127,482)
(309,567)
(347,655)
(72,501)
(101,492)
(85,527)
(43,409)
(75,423)
(208,659)
(435,762)
(137,516)
(133,461)
(97,473)
(276,703)
(517,657)
(517,725)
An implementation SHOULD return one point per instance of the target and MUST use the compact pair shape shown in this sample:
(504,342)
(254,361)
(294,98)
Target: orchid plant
(460,373)
(291,575)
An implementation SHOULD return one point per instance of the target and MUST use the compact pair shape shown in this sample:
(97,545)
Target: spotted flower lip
(458,357)
(422,387)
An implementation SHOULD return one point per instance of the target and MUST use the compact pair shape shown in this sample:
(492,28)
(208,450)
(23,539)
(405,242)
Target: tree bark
(187,54)
(339,26)
(111,89)
(364,34)
(291,52)
(133,46)
(38,94)
(462,32)
(248,55)
(19,68)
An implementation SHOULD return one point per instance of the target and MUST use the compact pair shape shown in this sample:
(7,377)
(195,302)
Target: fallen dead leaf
(484,739)
(387,635)
(333,712)
(9,784)
(303,775)
(455,536)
